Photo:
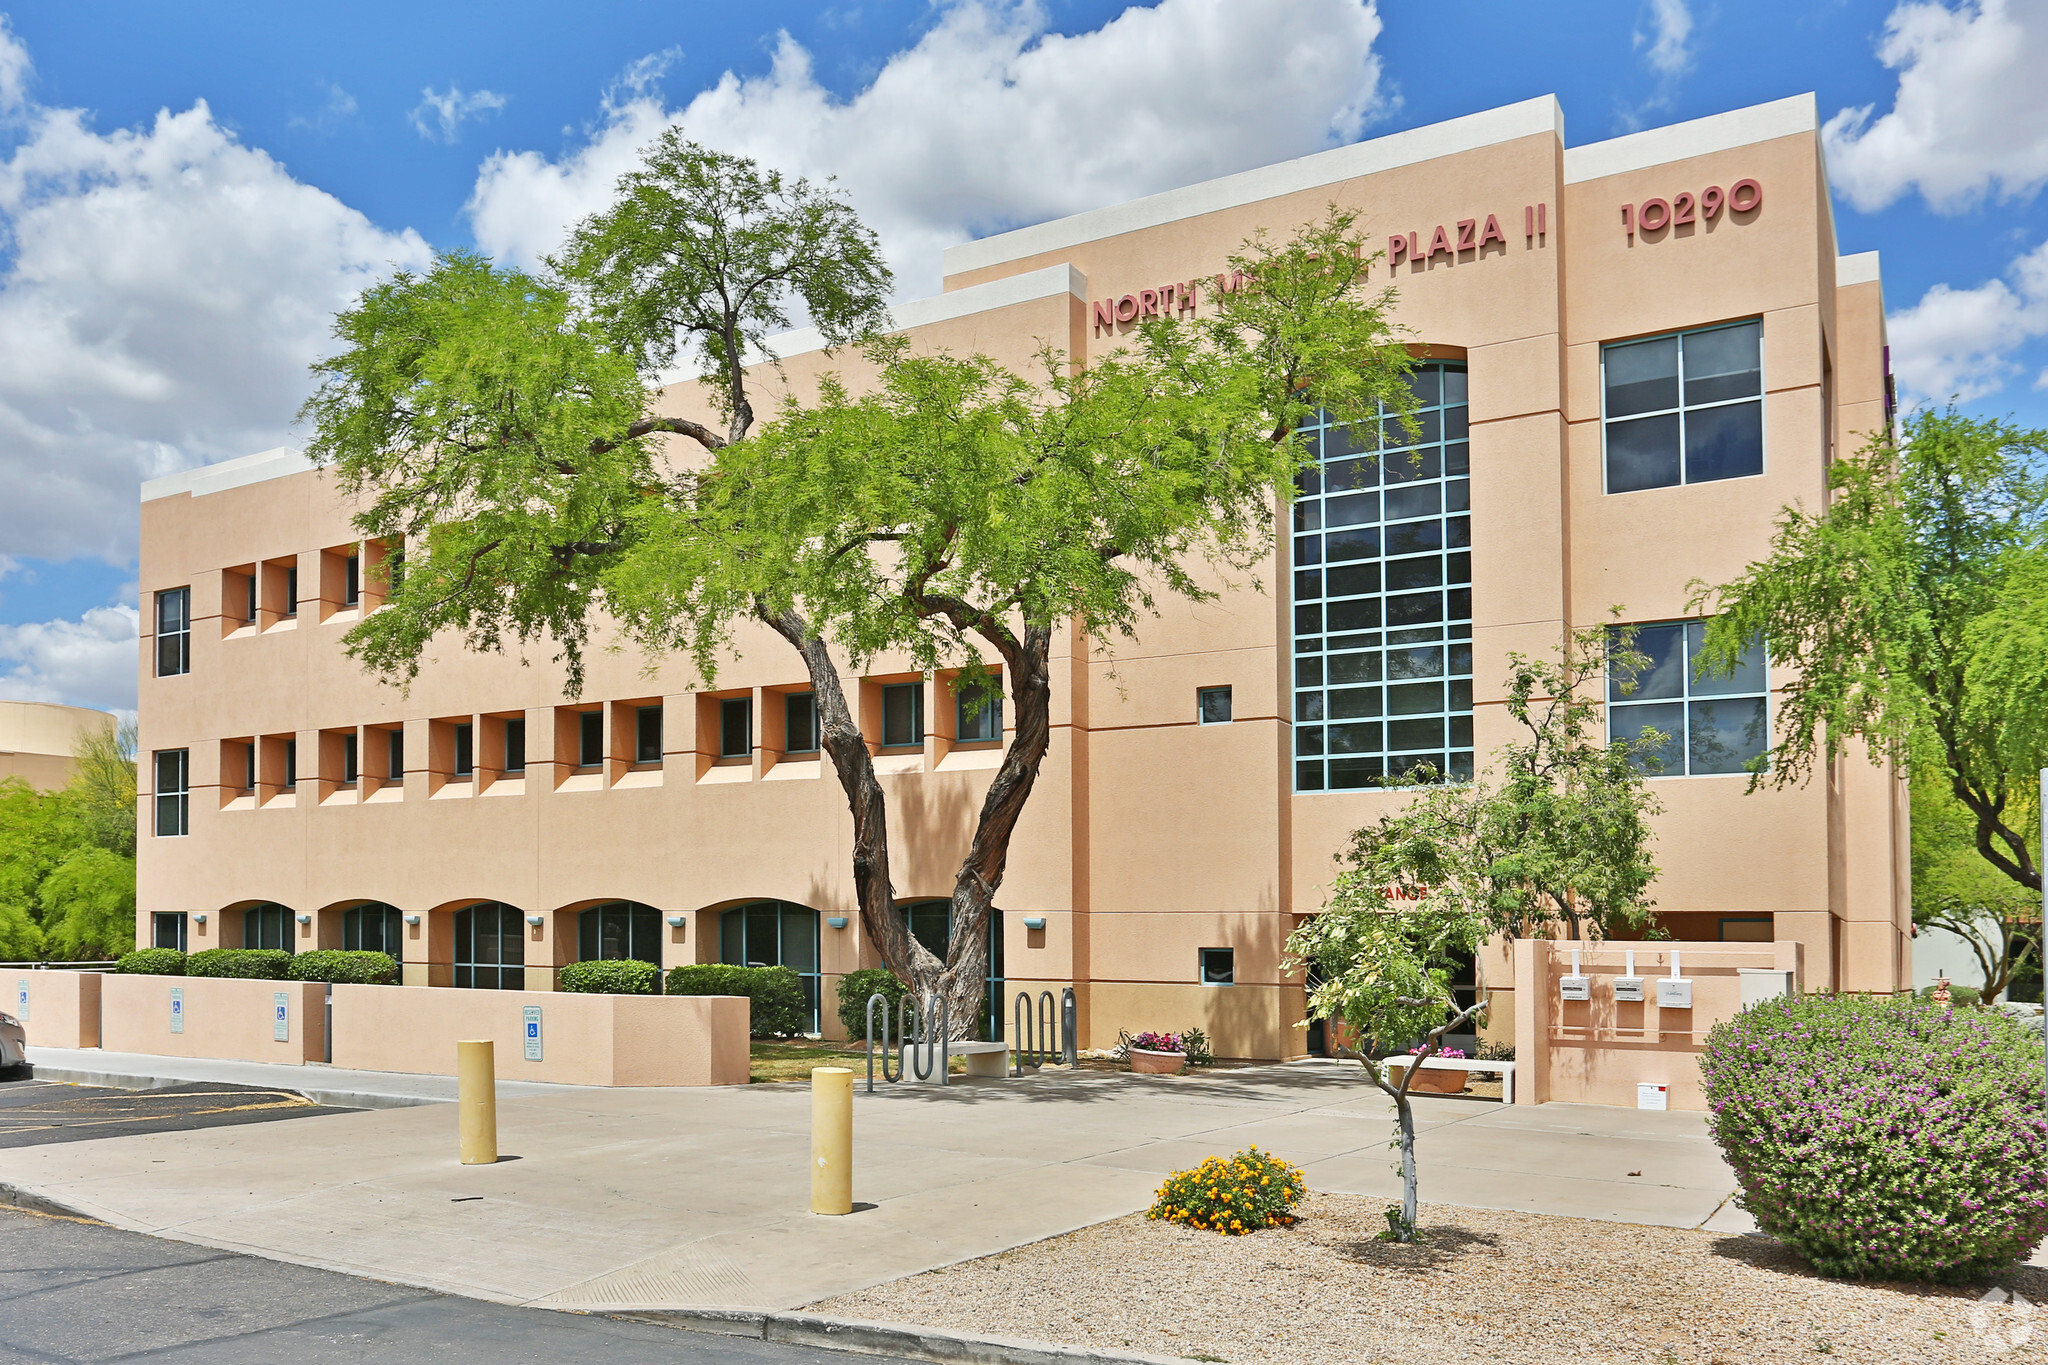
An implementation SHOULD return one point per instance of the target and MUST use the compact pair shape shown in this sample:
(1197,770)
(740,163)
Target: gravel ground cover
(1484,1286)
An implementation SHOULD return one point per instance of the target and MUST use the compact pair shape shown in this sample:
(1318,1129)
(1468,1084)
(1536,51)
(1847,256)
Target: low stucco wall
(1598,1051)
(222,1018)
(585,1039)
(56,1008)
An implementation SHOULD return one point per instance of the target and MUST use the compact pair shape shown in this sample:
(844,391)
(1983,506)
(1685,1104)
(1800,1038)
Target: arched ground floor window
(268,925)
(619,929)
(490,947)
(774,934)
(372,927)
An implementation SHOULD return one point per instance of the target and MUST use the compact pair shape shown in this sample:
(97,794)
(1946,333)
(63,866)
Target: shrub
(1882,1138)
(152,962)
(614,976)
(778,1008)
(249,964)
(854,990)
(1957,994)
(1196,1044)
(1232,1196)
(344,968)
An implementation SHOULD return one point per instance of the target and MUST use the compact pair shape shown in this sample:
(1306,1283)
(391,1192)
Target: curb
(129,1080)
(885,1338)
(20,1197)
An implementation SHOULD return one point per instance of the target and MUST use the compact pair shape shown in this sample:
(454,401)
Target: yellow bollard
(476,1100)
(831,1139)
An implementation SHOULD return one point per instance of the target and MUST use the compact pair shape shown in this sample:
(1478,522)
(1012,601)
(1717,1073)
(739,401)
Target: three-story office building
(1636,352)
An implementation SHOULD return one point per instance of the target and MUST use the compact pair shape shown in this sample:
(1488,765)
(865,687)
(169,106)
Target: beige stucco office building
(1639,350)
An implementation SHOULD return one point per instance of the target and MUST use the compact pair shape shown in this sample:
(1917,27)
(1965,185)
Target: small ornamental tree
(1554,837)
(1883,1137)
(936,506)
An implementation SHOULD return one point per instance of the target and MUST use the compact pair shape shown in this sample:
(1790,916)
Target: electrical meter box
(1674,992)
(1575,988)
(1628,988)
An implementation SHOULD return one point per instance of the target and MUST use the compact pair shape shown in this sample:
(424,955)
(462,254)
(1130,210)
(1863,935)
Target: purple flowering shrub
(1883,1137)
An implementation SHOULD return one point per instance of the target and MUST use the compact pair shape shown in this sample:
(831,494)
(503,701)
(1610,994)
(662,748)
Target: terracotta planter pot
(1157,1063)
(1431,1080)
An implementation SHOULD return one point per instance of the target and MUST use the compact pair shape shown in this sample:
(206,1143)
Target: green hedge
(248,964)
(854,990)
(1883,1138)
(778,1009)
(152,962)
(618,976)
(344,968)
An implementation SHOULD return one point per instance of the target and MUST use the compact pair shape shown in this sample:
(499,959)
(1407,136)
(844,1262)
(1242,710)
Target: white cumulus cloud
(1969,119)
(990,121)
(1663,43)
(1956,342)
(87,662)
(440,115)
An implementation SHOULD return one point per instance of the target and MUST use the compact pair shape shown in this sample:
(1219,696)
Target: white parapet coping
(236,473)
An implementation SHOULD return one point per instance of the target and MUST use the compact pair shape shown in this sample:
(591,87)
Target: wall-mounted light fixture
(1034,922)
(536,920)
(675,921)
(303,919)
(199,918)
(412,919)
(836,921)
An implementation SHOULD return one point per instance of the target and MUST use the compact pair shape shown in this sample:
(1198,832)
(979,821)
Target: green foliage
(1961,997)
(88,903)
(21,938)
(1195,1043)
(856,987)
(1883,1138)
(152,962)
(343,968)
(778,1009)
(248,964)
(1957,890)
(1232,1195)
(612,976)
(102,786)
(1911,613)
(711,250)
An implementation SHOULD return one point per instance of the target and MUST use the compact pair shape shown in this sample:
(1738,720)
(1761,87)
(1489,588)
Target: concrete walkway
(619,1199)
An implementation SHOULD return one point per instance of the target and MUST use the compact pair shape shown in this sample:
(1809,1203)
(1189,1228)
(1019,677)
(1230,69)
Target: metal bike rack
(1035,1046)
(916,1022)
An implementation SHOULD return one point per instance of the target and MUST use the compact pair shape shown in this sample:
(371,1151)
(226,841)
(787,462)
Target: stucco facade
(1151,836)
(38,740)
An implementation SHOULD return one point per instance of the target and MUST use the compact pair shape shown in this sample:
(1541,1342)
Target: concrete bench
(983,1059)
(1506,1070)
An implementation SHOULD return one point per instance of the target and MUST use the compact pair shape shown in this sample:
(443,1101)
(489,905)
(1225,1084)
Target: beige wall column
(1532,1020)
(550,945)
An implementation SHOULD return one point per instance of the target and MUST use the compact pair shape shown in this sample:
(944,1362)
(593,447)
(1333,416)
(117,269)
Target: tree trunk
(960,980)
(1408,1176)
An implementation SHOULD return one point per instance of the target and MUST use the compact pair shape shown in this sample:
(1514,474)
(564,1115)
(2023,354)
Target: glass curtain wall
(1383,597)
(490,947)
(774,934)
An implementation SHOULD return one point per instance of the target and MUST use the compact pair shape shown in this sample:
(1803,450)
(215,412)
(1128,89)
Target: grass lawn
(791,1059)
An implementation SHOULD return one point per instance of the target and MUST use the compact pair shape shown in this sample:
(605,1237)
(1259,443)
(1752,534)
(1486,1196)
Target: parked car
(13,1043)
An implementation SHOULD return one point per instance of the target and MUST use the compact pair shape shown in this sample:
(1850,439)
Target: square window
(1219,966)
(736,727)
(1212,705)
(800,722)
(1686,408)
(978,714)
(647,734)
(589,739)
(902,715)
(1712,724)
(515,746)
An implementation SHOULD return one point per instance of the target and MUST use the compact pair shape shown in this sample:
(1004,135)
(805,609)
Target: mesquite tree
(929,505)
(1912,611)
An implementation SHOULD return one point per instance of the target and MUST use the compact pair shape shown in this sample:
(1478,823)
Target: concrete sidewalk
(621,1199)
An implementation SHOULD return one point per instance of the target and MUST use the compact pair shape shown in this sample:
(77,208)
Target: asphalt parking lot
(34,1112)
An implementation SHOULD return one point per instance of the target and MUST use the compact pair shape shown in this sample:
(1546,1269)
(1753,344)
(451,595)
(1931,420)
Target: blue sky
(187,192)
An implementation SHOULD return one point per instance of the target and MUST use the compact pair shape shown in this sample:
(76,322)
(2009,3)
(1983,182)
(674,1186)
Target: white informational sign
(1628,988)
(1674,992)
(177,1009)
(280,1017)
(532,1032)
(21,999)
(1575,988)
(1652,1096)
